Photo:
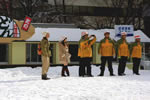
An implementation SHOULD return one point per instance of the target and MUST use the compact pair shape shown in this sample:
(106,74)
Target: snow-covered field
(26,84)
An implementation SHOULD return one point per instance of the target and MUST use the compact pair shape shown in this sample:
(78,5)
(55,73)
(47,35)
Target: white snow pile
(26,84)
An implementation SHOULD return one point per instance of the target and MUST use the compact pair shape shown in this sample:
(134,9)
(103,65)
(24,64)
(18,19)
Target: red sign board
(26,23)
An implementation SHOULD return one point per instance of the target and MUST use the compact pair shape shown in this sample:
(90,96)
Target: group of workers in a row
(107,49)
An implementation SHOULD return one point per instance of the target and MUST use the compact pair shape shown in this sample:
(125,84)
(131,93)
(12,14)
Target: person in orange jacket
(107,51)
(85,53)
(136,54)
(123,53)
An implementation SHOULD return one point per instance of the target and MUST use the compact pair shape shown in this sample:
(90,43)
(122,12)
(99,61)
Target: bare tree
(28,6)
(44,12)
(146,16)
(131,14)
(7,7)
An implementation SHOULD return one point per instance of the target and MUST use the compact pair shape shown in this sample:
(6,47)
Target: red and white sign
(15,30)
(26,23)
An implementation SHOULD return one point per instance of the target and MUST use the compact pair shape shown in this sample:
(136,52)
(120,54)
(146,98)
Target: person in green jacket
(46,53)
(136,54)
(85,54)
(107,50)
(123,53)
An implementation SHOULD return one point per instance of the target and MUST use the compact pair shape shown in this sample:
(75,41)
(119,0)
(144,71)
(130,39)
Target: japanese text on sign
(124,28)
(26,23)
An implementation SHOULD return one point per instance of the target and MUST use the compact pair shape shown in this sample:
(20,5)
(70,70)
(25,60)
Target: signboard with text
(124,28)
(26,24)
(14,30)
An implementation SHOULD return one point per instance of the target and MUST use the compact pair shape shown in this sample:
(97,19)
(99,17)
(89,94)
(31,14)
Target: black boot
(120,74)
(102,69)
(90,76)
(112,74)
(101,74)
(136,73)
(44,77)
(67,71)
(63,72)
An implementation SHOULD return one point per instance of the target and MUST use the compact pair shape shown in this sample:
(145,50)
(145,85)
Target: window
(73,49)
(31,54)
(83,10)
(90,10)
(3,53)
(69,9)
(75,10)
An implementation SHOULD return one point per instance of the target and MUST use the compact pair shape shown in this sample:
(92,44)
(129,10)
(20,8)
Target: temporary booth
(19,41)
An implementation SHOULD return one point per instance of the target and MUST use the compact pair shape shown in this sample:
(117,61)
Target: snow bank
(25,84)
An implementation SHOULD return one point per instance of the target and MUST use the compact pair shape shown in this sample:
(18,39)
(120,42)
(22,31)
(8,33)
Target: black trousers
(136,63)
(85,66)
(107,59)
(122,64)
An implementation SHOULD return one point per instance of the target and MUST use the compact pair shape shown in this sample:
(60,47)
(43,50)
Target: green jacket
(45,47)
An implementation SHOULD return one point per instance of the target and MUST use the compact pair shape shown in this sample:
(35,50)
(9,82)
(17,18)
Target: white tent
(75,34)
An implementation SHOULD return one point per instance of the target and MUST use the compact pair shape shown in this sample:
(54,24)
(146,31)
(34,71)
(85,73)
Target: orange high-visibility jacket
(85,49)
(123,48)
(136,50)
(106,47)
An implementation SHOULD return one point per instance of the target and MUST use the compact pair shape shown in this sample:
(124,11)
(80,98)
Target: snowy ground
(26,84)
